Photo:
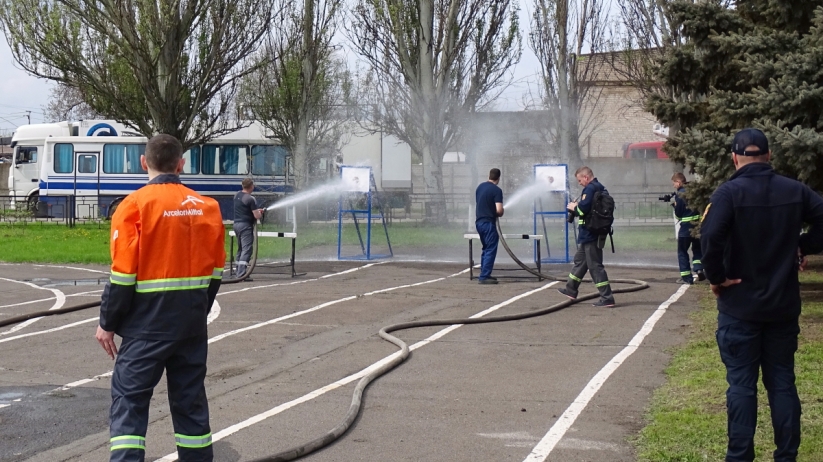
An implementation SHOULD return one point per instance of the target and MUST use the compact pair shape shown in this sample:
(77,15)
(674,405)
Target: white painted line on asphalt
(353,269)
(214,314)
(541,452)
(321,306)
(230,333)
(302,281)
(51,298)
(48,331)
(346,380)
(59,301)
(82,382)
(74,268)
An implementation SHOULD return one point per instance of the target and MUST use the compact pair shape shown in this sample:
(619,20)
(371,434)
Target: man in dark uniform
(246,213)
(589,256)
(752,250)
(489,207)
(167,253)
(687,219)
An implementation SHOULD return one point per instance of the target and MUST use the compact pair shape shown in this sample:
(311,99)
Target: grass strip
(687,417)
(89,243)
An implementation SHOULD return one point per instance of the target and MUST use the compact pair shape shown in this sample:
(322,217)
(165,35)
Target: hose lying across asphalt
(354,407)
(85,306)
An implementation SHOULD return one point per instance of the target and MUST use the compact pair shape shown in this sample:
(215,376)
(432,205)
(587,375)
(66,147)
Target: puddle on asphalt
(10,396)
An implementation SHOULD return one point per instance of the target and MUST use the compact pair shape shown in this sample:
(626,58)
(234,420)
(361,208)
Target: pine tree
(755,65)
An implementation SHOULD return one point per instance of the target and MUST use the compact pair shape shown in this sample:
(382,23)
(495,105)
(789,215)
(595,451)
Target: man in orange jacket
(168,252)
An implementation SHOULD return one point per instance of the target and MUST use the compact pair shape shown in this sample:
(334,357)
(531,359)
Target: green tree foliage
(161,66)
(759,65)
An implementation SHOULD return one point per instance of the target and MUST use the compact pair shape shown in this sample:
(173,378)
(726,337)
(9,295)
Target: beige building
(614,112)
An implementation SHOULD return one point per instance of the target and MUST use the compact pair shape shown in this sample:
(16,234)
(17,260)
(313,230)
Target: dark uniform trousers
(746,348)
(683,244)
(184,361)
(487,231)
(245,245)
(589,257)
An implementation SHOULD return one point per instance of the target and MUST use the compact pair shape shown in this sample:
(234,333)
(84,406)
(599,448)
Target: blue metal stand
(372,200)
(551,257)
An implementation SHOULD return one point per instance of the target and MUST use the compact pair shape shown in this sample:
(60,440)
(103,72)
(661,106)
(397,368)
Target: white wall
(396,157)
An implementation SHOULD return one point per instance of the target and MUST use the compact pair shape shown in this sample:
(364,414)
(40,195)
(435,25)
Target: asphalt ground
(569,386)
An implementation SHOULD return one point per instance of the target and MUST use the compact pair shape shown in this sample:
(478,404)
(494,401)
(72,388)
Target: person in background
(687,219)
(246,214)
(168,252)
(753,246)
(489,207)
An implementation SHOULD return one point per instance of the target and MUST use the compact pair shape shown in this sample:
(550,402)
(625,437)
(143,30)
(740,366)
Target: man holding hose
(489,207)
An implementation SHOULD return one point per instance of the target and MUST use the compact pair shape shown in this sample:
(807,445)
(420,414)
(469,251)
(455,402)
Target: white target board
(552,176)
(355,179)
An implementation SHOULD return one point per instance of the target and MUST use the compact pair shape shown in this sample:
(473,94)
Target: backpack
(601,217)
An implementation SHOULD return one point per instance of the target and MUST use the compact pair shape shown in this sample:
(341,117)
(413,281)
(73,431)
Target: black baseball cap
(750,137)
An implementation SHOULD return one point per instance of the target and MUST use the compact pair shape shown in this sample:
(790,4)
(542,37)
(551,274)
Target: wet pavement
(281,349)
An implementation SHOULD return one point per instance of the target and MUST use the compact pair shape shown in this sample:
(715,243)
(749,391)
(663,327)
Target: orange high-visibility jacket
(168,252)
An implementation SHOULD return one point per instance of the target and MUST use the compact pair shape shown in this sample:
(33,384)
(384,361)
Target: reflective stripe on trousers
(128,442)
(185,441)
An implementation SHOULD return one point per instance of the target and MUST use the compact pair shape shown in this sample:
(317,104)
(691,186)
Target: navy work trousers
(139,366)
(746,348)
(245,244)
(489,238)
(589,258)
(683,244)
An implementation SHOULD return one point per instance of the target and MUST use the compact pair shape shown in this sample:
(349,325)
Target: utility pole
(28,116)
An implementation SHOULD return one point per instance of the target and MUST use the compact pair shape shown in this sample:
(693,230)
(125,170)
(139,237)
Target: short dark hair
(494,174)
(247,183)
(163,153)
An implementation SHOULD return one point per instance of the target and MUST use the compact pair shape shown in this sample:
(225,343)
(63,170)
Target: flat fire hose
(85,306)
(356,402)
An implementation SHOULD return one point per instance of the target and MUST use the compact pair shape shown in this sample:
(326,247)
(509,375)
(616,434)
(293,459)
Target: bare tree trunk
(432,62)
(300,158)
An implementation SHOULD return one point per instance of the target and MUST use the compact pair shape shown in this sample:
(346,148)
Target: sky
(23,95)
(19,92)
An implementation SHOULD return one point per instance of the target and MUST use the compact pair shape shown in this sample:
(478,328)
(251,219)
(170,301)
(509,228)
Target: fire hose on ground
(355,406)
(85,306)
(385,333)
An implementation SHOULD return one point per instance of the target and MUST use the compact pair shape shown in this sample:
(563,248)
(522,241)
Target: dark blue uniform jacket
(584,206)
(688,217)
(751,230)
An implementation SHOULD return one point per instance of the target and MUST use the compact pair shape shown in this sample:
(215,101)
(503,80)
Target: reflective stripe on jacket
(168,252)
(688,218)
